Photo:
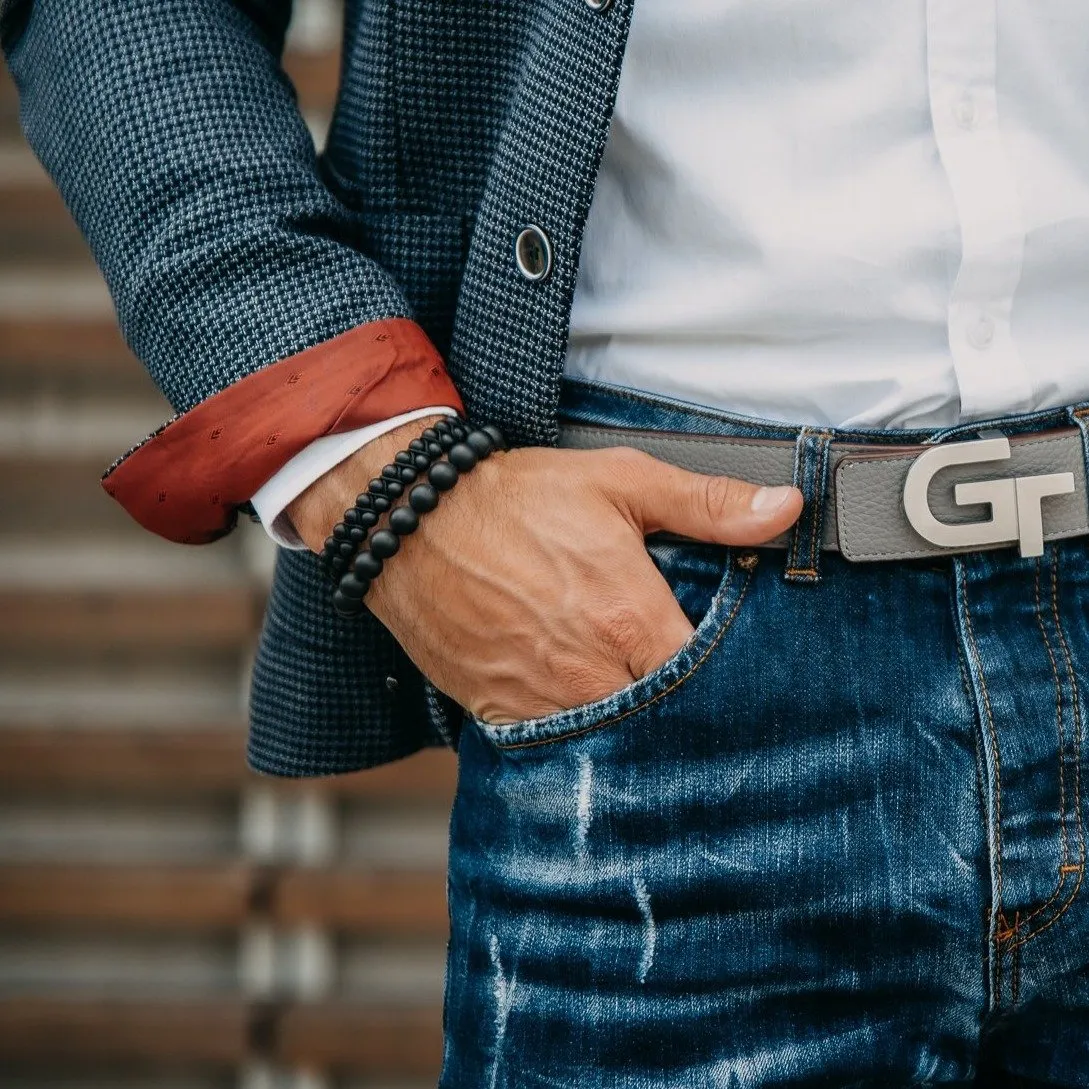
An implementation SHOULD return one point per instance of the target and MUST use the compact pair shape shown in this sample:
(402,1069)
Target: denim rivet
(391,683)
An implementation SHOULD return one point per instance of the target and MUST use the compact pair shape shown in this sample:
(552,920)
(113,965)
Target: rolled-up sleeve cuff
(187,480)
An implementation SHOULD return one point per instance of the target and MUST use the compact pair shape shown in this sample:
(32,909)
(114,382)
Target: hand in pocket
(529,590)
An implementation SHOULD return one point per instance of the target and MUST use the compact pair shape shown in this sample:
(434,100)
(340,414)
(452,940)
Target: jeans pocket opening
(666,680)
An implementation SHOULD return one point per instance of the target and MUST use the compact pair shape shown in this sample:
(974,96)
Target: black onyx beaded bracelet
(355,568)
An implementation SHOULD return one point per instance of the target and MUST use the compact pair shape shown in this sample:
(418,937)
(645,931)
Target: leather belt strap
(867,487)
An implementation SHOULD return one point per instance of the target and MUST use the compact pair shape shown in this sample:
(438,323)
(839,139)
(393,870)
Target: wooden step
(188,898)
(202,898)
(34,223)
(374,1043)
(379,1043)
(156,762)
(89,1030)
(164,620)
(82,357)
(386,905)
(33,484)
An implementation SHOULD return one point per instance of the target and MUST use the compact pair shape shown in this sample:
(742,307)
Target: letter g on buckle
(1015,502)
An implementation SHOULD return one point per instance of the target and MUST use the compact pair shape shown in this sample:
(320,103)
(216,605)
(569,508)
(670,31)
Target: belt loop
(811,476)
(1079,417)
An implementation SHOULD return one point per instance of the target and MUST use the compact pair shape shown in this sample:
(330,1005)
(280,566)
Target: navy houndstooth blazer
(175,140)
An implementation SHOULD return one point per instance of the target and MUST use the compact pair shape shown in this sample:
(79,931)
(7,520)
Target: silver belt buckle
(1015,501)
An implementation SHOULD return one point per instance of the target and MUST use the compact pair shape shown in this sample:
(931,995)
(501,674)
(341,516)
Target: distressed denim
(837,840)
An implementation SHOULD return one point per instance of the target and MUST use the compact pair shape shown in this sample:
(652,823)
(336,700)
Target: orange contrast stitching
(748,567)
(1062,745)
(1077,760)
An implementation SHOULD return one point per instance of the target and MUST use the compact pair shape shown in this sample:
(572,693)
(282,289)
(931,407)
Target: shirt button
(598,5)
(533,253)
(964,111)
(981,333)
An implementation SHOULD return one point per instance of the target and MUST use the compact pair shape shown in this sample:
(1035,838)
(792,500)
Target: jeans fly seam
(1076,705)
(1065,853)
(723,628)
(996,777)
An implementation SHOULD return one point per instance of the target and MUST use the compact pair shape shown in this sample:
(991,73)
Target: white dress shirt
(873,213)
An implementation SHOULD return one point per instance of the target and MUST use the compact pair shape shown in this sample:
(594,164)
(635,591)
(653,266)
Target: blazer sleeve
(174,137)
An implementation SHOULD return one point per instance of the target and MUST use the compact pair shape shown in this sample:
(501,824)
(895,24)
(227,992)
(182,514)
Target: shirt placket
(962,42)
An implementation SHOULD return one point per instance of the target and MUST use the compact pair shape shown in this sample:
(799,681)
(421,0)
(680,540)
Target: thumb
(717,509)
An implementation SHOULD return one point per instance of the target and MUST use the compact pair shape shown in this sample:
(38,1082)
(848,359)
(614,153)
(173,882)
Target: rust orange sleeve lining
(187,480)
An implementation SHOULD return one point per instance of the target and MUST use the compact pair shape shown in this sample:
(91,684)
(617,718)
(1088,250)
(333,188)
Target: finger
(643,626)
(717,509)
(668,630)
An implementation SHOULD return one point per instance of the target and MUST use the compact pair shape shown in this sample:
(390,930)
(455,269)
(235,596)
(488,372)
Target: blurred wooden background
(167,919)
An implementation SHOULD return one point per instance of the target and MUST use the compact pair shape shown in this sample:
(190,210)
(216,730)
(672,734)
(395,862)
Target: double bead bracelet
(344,558)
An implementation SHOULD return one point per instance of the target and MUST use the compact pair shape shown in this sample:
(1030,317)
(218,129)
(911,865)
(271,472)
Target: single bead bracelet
(347,536)
(464,449)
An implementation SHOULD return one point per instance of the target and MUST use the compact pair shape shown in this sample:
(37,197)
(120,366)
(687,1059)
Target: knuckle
(723,495)
(621,626)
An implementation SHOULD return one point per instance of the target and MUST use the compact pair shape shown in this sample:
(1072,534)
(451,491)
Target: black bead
(462,457)
(443,475)
(443,426)
(403,521)
(340,532)
(446,440)
(496,436)
(480,442)
(418,446)
(434,449)
(408,474)
(364,500)
(429,434)
(338,565)
(404,457)
(423,498)
(347,549)
(350,586)
(381,503)
(394,488)
(458,429)
(367,566)
(346,606)
(377,486)
(357,535)
(391,472)
(368,518)
(422,461)
(385,544)
(351,517)
(330,544)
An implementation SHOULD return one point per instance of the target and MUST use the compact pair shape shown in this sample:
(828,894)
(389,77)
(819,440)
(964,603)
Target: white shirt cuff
(313,461)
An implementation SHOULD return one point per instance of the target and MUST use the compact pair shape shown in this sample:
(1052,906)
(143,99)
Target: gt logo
(1014,502)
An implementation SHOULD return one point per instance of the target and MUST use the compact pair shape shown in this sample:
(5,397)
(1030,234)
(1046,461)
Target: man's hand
(529,589)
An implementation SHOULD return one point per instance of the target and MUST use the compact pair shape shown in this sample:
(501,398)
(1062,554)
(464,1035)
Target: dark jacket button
(533,253)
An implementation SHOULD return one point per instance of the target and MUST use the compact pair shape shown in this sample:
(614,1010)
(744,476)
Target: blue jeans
(837,840)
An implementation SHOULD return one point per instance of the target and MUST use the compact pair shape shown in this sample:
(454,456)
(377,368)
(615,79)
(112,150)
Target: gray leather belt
(902,502)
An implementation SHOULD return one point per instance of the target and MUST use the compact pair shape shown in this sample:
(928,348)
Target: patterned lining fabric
(174,138)
(188,480)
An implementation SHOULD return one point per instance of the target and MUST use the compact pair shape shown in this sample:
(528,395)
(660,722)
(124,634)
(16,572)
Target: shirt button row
(965,112)
(981,332)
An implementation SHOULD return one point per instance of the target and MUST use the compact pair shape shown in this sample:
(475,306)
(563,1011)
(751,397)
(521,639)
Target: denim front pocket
(684,567)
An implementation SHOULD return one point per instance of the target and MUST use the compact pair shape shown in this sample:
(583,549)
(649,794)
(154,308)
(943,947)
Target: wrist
(315,511)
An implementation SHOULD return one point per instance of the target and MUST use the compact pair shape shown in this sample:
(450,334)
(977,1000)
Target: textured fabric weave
(176,142)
